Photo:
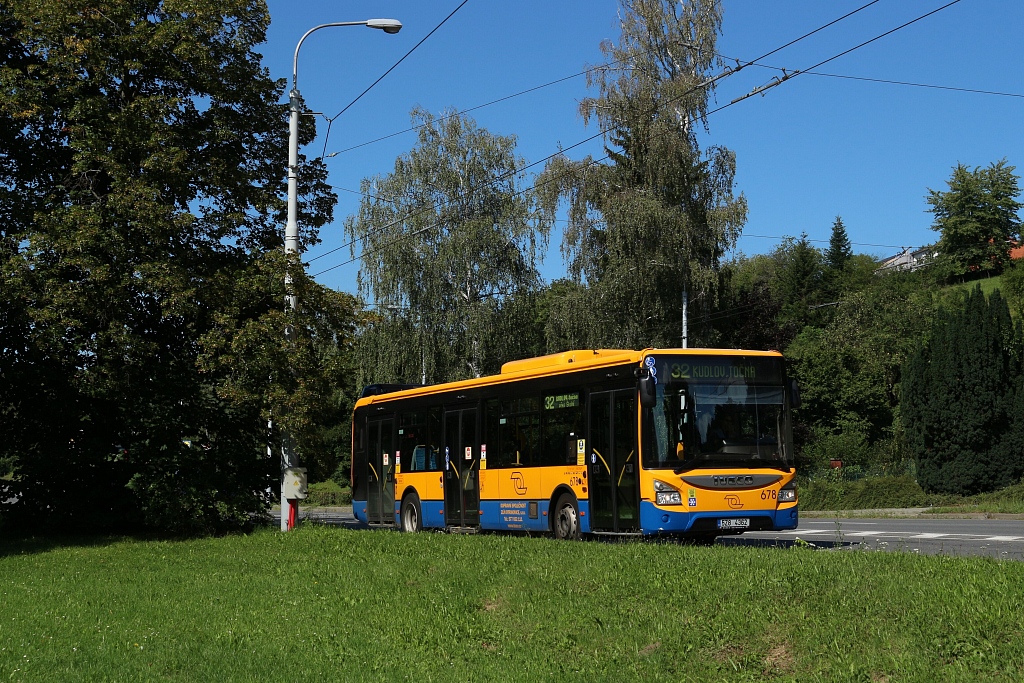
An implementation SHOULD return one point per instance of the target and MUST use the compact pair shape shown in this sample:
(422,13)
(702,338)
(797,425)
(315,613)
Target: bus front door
(461,469)
(380,475)
(613,463)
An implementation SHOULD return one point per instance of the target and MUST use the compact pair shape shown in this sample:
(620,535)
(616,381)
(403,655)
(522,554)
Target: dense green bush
(327,493)
(837,493)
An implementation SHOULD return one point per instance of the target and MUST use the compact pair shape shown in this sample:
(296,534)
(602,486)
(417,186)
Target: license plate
(734,523)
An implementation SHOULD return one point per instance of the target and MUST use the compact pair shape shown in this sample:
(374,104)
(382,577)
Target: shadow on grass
(13,542)
(32,544)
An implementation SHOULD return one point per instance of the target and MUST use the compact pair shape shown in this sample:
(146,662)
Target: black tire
(565,522)
(411,516)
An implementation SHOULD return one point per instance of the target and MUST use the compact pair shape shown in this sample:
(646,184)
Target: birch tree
(656,217)
(448,244)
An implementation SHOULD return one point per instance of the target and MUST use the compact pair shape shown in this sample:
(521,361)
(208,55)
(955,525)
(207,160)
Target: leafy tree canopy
(449,241)
(658,217)
(977,218)
(142,196)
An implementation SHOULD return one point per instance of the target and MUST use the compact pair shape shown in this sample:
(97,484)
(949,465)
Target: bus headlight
(666,494)
(787,494)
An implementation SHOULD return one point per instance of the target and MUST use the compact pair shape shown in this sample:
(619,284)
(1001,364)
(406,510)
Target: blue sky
(808,150)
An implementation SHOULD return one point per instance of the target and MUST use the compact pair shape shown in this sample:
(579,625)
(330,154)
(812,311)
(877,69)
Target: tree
(977,218)
(143,197)
(840,250)
(749,305)
(801,281)
(961,396)
(657,218)
(849,369)
(448,244)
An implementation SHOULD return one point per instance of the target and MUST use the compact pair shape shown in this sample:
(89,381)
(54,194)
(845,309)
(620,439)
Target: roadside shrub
(327,494)
(850,445)
(835,493)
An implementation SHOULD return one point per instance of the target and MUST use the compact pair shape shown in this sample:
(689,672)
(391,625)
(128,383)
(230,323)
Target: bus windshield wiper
(687,468)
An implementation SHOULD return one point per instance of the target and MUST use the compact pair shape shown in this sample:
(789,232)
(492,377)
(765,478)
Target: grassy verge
(325,604)
(869,493)
(1009,500)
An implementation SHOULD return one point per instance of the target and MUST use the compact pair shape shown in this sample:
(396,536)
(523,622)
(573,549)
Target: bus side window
(491,432)
(433,440)
(563,422)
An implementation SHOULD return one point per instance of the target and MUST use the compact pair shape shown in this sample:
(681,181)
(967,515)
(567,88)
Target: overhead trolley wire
(479,106)
(710,81)
(600,133)
(790,75)
(330,121)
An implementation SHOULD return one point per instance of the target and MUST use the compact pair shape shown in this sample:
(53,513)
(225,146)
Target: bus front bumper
(655,520)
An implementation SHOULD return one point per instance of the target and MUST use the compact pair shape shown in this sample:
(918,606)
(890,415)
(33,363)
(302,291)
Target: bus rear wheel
(412,520)
(566,520)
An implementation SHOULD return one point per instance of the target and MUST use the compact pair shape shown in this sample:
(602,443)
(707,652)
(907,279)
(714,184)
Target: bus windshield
(717,412)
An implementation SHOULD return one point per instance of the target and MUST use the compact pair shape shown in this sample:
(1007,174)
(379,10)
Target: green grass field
(326,604)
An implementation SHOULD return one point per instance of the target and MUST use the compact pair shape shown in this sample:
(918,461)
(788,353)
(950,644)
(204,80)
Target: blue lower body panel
(654,520)
(359,510)
(513,515)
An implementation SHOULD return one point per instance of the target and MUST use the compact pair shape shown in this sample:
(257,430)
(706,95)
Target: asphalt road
(999,538)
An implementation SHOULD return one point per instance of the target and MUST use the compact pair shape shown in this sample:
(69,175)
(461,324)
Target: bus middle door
(612,462)
(461,468)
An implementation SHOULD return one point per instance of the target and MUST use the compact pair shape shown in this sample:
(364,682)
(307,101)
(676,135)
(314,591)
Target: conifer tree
(959,399)
(840,251)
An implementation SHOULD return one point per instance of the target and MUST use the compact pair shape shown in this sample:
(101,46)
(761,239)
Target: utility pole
(293,477)
(685,302)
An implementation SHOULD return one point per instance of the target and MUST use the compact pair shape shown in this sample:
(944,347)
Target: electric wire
(576,75)
(600,133)
(330,121)
(790,75)
(714,79)
(479,106)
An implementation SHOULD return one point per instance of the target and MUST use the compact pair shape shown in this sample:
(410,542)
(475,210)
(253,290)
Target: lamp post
(291,475)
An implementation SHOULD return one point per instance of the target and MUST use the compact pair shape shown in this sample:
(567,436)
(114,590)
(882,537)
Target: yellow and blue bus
(689,442)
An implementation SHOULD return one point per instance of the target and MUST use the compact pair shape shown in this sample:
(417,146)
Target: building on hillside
(909,259)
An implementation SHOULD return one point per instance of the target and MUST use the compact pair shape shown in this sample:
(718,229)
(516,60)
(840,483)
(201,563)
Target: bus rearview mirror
(648,391)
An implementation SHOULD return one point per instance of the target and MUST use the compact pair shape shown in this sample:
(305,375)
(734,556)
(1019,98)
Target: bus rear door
(380,476)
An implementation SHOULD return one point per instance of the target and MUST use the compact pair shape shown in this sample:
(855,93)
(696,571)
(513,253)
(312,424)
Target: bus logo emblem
(734,501)
(519,483)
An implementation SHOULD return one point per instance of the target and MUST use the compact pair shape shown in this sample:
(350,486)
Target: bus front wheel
(412,520)
(566,522)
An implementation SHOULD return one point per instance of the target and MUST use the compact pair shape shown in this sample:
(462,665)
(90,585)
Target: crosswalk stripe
(798,532)
(929,535)
(1004,538)
(864,533)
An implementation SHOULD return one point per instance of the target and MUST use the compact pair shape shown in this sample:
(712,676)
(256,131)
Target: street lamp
(289,506)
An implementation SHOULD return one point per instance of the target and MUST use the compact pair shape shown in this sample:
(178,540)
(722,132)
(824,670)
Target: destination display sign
(562,401)
(719,369)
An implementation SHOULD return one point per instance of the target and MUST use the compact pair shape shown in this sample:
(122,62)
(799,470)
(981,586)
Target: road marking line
(1003,538)
(807,531)
(865,533)
(929,535)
